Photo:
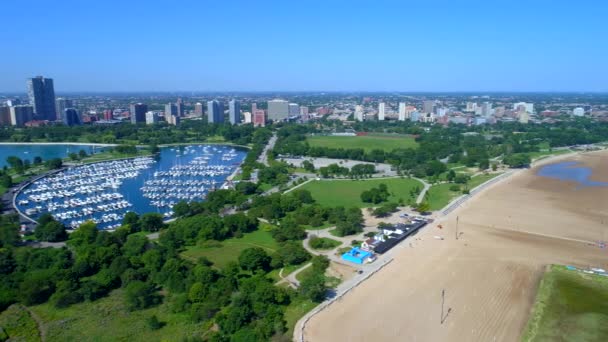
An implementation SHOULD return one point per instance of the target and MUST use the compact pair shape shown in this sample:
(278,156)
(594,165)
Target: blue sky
(132,45)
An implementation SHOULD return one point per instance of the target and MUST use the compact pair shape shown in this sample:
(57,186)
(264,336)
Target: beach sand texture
(510,232)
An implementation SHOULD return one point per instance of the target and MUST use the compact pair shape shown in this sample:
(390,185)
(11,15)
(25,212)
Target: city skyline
(387,46)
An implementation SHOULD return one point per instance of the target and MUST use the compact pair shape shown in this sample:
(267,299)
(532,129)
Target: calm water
(178,160)
(46,152)
(570,171)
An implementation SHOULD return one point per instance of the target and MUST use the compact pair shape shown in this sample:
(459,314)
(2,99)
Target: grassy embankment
(440,195)
(570,306)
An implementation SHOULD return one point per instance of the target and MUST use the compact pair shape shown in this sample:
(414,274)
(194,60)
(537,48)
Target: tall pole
(442,301)
(456,227)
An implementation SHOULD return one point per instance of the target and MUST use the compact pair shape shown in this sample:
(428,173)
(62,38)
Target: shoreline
(58,143)
(301,327)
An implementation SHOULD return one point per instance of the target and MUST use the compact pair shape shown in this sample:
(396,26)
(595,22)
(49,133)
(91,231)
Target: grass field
(18,325)
(570,306)
(231,248)
(108,319)
(347,193)
(440,195)
(367,142)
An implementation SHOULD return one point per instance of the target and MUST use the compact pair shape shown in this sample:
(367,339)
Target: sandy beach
(509,233)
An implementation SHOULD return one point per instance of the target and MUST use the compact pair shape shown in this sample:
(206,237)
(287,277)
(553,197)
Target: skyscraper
(138,112)
(60,105)
(401,111)
(108,114)
(234,111)
(42,97)
(198,109)
(259,118)
(215,111)
(359,113)
(278,110)
(21,114)
(180,106)
(294,110)
(71,117)
(170,109)
(381,111)
(427,106)
(151,118)
(486,109)
(5,115)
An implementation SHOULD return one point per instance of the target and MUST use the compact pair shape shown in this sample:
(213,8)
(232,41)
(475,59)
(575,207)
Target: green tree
(52,231)
(313,287)
(140,295)
(253,259)
(151,222)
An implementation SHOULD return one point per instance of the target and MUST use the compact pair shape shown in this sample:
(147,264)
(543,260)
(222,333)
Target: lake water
(570,171)
(46,152)
(105,191)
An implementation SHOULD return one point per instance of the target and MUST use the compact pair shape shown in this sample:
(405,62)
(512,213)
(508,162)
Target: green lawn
(18,325)
(347,193)
(107,319)
(296,310)
(477,180)
(368,142)
(325,243)
(231,248)
(440,195)
(570,306)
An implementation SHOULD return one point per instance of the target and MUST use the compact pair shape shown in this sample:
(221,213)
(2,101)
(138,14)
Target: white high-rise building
(278,110)
(247,116)
(401,111)
(359,113)
(471,107)
(578,111)
(529,106)
(486,109)
(381,111)
(151,118)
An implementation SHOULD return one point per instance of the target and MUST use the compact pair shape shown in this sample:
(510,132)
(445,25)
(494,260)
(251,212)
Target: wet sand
(510,232)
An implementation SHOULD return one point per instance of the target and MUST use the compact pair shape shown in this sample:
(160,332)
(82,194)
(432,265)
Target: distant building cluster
(41,107)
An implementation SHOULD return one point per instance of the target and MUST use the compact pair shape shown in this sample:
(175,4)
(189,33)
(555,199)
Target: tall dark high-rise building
(42,97)
(215,111)
(71,117)
(138,112)
(180,106)
(234,112)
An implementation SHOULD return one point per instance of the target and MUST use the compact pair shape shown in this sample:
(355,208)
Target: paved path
(263,158)
(291,277)
(422,193)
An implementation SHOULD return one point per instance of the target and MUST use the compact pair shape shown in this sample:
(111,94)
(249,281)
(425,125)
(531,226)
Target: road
(263,158)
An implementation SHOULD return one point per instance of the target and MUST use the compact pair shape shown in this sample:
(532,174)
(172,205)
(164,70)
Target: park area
(221,253)
(440,195)
(570,306)
(347,193)
(365,142)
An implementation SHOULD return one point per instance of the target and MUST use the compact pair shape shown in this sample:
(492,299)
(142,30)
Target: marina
(103,192)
